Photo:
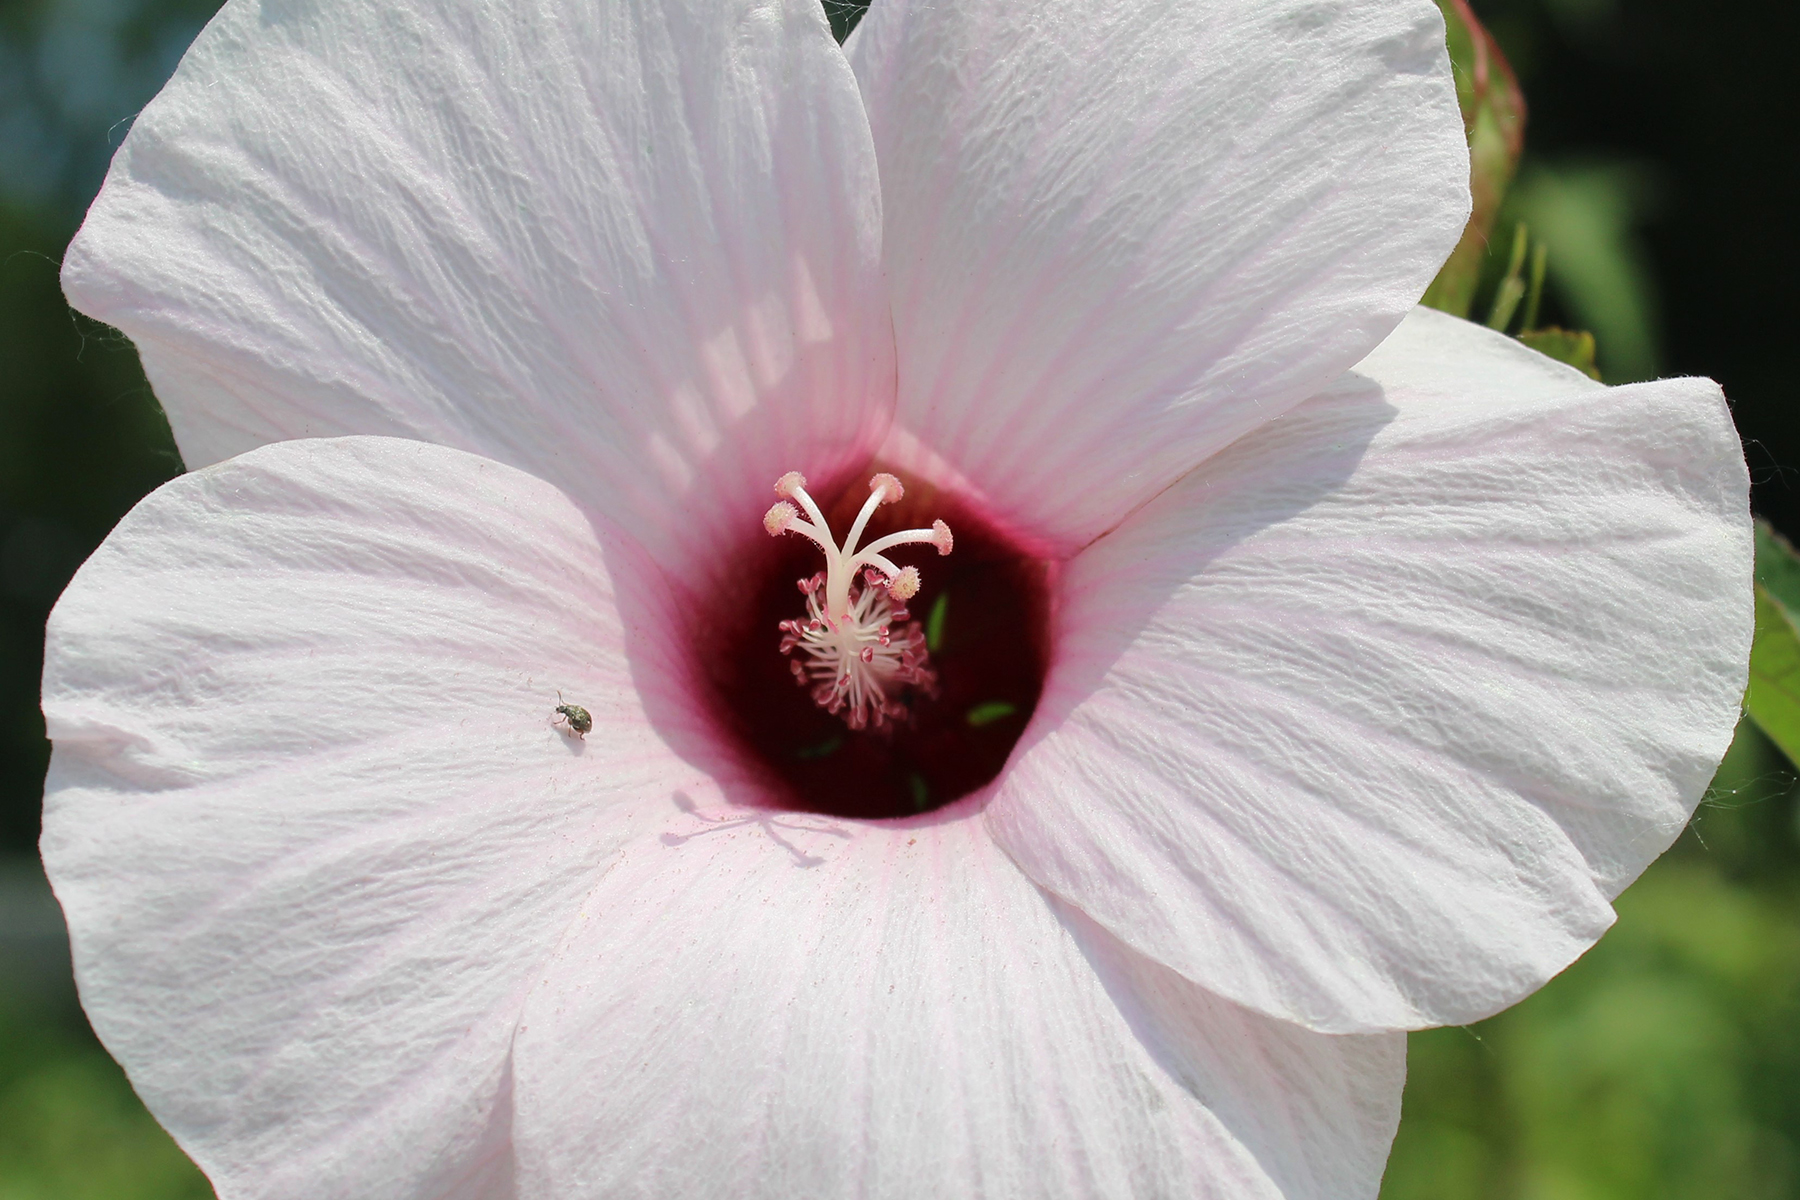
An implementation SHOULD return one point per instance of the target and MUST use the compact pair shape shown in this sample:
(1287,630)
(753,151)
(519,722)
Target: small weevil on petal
(578,718)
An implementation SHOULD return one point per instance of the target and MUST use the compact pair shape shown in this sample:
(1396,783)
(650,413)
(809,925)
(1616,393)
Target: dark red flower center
(984,613)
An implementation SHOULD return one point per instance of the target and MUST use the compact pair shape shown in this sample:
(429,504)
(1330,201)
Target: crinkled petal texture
(1365,721)
(752,1005)
(1121,233)
(632,247)
(361,921)
(308,816)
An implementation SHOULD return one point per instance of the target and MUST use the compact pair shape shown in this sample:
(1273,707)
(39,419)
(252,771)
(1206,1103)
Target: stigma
(856,647)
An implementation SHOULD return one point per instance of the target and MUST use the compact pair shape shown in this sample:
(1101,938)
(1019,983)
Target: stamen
(859,645)
(883,489)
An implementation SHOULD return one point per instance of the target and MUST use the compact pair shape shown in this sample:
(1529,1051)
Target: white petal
(1364,722)
(308,816)
(755,1005)
(1120,233)
(631,247)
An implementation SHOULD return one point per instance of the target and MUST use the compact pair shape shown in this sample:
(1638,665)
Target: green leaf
(824,749)
(1773,699)
(934,624)
(920,790)
(1591,215)
(1534,292)
(1512,287)
(1575,347)
(1493,112)
(989,711)
(1777,566)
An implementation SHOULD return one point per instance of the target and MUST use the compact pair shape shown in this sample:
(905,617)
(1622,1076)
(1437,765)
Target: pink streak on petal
(1122,233)
(309,817)
(1364,722)
(632,248)
(756,1005)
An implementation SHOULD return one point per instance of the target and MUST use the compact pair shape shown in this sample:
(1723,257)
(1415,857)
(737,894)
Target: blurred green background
(1660,170)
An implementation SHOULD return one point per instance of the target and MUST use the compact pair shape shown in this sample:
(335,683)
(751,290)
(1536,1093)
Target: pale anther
(779,517)
(905,585)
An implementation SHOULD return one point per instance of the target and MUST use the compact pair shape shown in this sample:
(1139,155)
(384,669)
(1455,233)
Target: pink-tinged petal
(756,1005)
(630,247)
(308,815)
(1364,722)
(1121,233)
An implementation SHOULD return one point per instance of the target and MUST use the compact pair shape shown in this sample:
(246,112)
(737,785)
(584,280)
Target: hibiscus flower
(1325,666)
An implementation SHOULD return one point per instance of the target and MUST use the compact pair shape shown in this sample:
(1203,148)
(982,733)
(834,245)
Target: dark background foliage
(1662,167)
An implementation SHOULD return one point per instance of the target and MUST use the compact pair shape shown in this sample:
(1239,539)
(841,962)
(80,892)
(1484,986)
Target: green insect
(579,719)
